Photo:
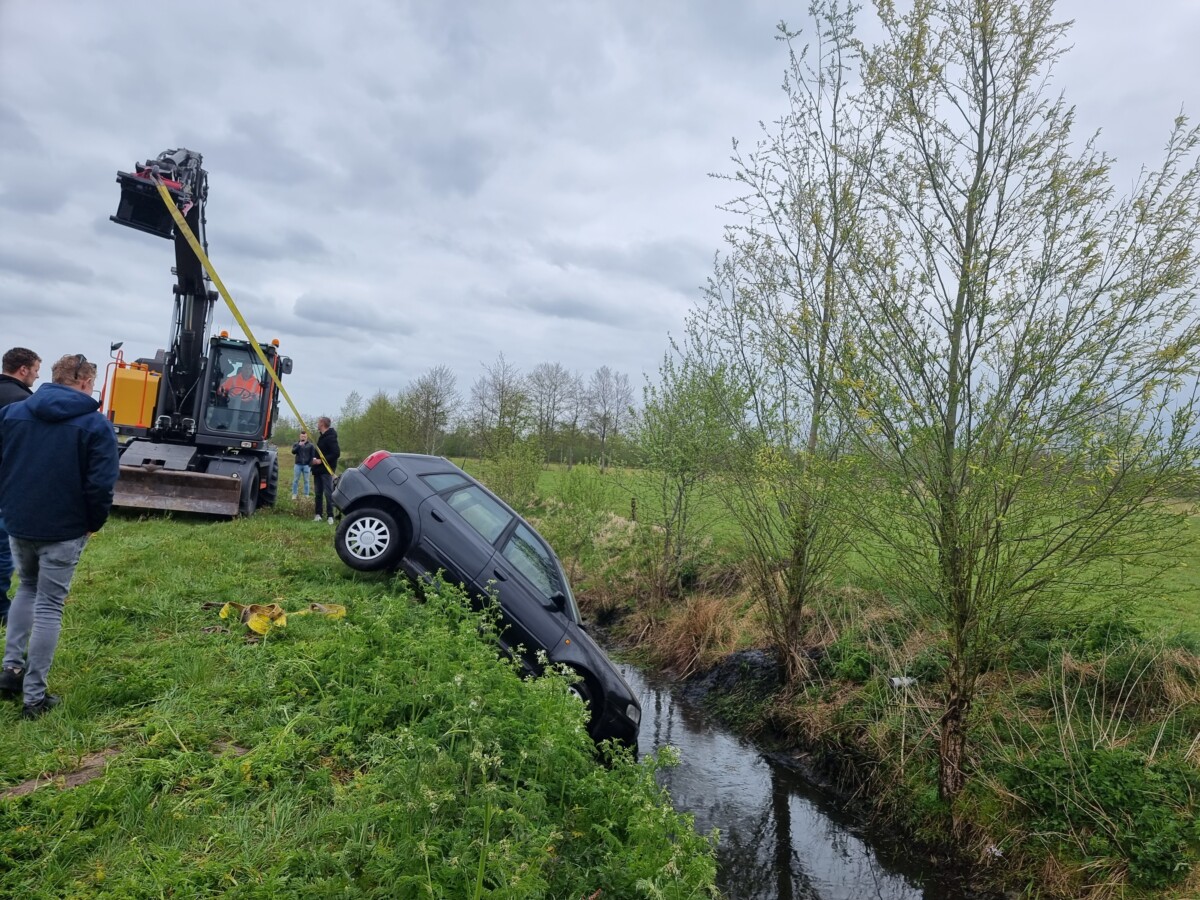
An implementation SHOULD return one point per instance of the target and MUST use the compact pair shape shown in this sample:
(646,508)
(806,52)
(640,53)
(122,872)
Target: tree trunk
(952,748)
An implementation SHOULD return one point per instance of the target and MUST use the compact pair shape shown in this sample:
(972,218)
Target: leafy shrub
(849,660)
(930,665)
(1117,804)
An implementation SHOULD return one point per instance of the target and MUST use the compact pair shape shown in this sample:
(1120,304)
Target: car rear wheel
(369,540)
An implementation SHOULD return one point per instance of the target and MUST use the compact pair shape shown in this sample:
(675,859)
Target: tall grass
(390,753)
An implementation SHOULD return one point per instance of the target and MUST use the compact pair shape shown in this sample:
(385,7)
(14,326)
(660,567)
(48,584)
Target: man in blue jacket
(58,465)
(18,371)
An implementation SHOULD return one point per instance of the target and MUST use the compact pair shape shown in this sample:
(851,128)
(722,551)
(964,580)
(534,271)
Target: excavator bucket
(143,487)
(142,208)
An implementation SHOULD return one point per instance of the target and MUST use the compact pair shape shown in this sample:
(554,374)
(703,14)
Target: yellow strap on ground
(182,225)
(262,617)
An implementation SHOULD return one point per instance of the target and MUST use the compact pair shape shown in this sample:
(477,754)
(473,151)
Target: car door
(458,531)
(524,574)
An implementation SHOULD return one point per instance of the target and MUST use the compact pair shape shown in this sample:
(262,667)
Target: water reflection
(779,839)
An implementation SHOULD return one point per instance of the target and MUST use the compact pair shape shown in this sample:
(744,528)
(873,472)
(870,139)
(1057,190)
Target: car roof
(422,464)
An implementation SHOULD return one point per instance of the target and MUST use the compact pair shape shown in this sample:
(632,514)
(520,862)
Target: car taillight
(373,460)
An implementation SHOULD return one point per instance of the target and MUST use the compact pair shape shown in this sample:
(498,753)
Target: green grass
(387,754)
(1172,611)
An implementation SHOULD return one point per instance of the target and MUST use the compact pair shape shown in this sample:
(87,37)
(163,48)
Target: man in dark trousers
(58,465)
(327,445)
(20,369)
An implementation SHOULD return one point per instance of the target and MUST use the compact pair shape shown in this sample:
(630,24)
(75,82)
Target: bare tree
(551,387)
(500,412)
(608,401)
(433,400)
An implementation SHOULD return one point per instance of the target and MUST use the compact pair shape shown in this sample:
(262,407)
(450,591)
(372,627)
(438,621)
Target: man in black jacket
(20,370)
(327,445)
(58,465)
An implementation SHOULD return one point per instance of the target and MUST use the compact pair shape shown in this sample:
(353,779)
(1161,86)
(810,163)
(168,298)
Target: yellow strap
(186,231)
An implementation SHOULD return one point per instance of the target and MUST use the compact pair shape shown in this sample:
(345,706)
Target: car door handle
(435,516)
(500,576)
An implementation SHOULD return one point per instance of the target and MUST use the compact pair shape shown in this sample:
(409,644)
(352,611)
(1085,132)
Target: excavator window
(237,392)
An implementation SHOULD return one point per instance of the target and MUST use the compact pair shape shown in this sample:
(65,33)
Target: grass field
(1174,609)
(389,752)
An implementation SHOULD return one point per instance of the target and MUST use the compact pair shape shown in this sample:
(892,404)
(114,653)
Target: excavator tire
(271,492)
(249,494)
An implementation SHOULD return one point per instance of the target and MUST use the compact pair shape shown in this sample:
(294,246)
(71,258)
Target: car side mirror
(559,601)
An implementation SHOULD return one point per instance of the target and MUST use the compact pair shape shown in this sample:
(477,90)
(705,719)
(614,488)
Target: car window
(443,480)
(482,513)
(531,559)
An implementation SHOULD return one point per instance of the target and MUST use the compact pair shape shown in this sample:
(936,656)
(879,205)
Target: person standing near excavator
(20,370)
(58,465)
(328,451)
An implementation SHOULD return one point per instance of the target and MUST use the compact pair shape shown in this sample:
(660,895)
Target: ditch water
(780,837)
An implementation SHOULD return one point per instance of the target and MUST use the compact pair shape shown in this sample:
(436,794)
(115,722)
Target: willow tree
(680,436)
(774,315)
(1023,378)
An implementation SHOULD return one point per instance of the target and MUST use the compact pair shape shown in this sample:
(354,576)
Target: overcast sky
(398,184)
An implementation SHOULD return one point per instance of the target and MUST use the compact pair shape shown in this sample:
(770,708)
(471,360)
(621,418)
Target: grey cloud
(337,314)
(680,263)
(455,164)
(43,267)
(290,245)
(256,145)
(566,306)
(34,196)
(18,136)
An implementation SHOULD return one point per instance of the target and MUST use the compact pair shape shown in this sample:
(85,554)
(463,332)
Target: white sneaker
(316,518)
(331,520)
(294,497)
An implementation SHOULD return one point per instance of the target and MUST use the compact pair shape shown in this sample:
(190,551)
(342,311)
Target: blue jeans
(35,620)
(304,471)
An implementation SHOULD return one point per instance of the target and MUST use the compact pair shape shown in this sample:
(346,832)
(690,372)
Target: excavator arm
(181,172)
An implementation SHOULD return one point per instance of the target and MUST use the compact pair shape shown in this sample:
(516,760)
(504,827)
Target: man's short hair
(71,369)
(17,357)
(324,420)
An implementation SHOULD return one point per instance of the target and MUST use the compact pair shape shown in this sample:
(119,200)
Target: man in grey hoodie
(58,465)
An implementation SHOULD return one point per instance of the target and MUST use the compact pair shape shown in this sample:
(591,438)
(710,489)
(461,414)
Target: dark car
(426,515)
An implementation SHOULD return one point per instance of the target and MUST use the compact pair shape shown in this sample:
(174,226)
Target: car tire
(369,540)
(586,693)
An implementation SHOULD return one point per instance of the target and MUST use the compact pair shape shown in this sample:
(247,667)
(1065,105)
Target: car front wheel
(586,694)
(369,540)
